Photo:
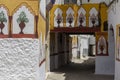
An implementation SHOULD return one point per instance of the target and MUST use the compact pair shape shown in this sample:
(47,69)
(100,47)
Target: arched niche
(83,12)
(102,46)
(5,29)
(70,13)
(29,26)
(58,14)
(93,13)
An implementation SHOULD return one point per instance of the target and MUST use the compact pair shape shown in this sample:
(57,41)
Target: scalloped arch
(6,8)
(93,10)
(26,5)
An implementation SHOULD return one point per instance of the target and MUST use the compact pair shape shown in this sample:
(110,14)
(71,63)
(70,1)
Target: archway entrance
(69,66)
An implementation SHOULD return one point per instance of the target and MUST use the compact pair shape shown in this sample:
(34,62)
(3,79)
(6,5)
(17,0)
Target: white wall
(42,72)
(92,40)
(104,65)
(114,19)
(19,59)
(107,64)
(83,44)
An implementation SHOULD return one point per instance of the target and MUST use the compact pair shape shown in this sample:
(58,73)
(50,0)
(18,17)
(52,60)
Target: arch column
(64,18)
(76,16)
(87,19)
(10,26)
(36,28)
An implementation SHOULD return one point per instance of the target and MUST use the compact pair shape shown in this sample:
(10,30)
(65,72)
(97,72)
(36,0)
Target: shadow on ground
(78,70)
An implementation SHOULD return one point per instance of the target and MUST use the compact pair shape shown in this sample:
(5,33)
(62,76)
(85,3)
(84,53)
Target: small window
(105,26)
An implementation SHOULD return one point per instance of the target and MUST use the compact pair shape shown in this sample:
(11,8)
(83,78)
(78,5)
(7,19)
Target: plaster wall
(42,72)
(108,62)
(83,45)
(113,19)
(104,65)
(92,40)
(19,59)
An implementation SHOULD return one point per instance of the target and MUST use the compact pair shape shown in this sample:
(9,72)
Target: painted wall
(113,19)
(87,11)
(32,8)
(24,47)
(19,59)
(104,59)
(31,4)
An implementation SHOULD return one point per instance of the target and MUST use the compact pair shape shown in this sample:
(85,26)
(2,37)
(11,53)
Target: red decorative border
(3,36)
(76,29)
(23,36)
(19,36)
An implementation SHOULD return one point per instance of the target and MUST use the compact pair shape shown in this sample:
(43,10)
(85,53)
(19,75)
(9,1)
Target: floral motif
(22,19)
(2,19)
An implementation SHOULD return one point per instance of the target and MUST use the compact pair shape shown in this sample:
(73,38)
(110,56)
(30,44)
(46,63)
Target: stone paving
(78,70)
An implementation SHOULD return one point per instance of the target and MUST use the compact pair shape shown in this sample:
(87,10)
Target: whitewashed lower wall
(19,59)
(104,65)
(114,19)
(42,72)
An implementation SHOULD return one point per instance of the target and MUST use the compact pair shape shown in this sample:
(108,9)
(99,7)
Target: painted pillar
(64,18)
(10,26)
(76,15)
(87,19)
(36,28)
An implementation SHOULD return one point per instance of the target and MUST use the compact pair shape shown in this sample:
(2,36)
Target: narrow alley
(78,70)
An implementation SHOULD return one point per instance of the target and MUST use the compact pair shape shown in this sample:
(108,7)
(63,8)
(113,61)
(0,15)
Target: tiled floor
(78,70)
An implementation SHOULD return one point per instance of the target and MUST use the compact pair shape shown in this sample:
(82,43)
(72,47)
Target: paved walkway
(78,70)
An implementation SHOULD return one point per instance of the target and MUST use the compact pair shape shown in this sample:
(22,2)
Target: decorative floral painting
(2,20)
(118,42)
(22,19)
(102,44)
